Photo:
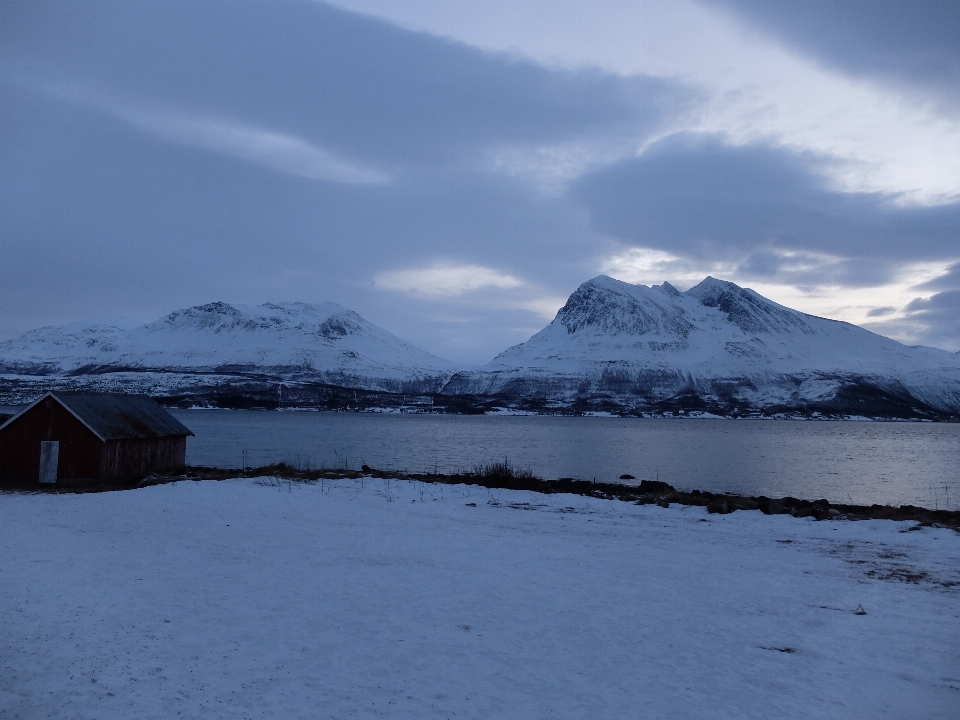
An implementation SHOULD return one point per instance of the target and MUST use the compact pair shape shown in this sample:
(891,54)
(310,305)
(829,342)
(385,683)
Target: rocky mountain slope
(716,348)
(228,348)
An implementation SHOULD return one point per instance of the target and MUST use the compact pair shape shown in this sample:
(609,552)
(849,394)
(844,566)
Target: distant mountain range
(614,347)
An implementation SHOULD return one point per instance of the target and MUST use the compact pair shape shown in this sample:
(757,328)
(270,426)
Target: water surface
(859,462)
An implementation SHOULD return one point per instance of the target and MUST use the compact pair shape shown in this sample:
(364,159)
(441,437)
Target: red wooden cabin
(91,437)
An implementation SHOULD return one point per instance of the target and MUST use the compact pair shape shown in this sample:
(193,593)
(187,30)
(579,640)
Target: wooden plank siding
(20,444)
(138,457)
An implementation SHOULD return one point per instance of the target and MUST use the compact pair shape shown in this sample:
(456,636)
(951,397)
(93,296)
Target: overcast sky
(453,170)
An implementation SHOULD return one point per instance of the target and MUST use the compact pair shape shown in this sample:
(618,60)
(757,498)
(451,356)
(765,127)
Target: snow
(398,599)
(609,320)
(715,335)
(323,340)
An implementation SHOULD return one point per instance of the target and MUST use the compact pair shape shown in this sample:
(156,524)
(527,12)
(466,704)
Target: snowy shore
(264,598)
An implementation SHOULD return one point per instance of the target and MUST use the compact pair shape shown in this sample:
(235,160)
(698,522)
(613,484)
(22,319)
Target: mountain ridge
(250,346)
(614,347)
(716,348)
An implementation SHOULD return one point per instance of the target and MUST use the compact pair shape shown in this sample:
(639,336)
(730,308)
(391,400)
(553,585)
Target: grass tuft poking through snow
(502,470)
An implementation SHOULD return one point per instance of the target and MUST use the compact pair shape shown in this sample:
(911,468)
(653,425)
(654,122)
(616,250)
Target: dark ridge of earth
(497,476)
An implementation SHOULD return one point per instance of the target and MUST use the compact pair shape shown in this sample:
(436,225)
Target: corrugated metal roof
(117,417)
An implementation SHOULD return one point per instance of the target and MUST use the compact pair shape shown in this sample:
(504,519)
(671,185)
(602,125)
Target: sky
(453,170)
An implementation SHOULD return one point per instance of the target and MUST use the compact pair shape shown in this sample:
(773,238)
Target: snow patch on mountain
(324,342)
(623,346)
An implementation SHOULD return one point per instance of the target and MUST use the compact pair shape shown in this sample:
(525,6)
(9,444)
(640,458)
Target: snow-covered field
(240,600)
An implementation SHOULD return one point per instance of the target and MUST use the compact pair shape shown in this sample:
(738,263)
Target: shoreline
(511,412)
(257,392)
(505,477)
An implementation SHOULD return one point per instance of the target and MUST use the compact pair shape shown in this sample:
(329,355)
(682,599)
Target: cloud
(274,150)
(694,194)
(513,168)
(486,287)
(550,169)
(749,86)
(942,309)
(545,307)
(912,43)
(445,279)
(648,266)
(154,212)
(357,87)
(931,320)
(926,321)
(948,280)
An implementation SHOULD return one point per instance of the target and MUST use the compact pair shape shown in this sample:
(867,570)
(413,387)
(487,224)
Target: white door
(49,456)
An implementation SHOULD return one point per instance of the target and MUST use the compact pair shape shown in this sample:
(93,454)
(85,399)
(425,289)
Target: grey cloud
(274,150)
(121,188)
(815,269)
(938,317)
(948,281)
(696,196)
(284,153)
(945,302)
(98,215)
(915,43)
(101,210)
(928,321)
(881,312)
(354,85)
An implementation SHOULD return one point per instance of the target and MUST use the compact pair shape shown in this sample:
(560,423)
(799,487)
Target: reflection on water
(860,462)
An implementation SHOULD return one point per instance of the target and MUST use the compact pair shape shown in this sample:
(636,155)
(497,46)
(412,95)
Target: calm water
(860,462)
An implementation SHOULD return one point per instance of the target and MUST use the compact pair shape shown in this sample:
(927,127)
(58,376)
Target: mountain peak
(614,306)
(607,306)
(606,282)
(669,289)
(710,288)
(747,309)
(217,308)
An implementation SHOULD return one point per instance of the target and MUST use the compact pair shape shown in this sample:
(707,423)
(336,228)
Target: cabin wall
(139,457)
(20,444)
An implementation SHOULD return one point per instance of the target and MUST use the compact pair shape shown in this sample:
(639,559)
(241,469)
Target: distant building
(91,437)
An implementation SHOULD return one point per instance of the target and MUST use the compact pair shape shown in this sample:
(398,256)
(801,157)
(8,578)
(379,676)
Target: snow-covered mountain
(322,343)
(718,348)
(613,347)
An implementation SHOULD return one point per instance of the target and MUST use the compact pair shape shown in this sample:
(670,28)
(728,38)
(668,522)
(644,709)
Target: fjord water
(861,462)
